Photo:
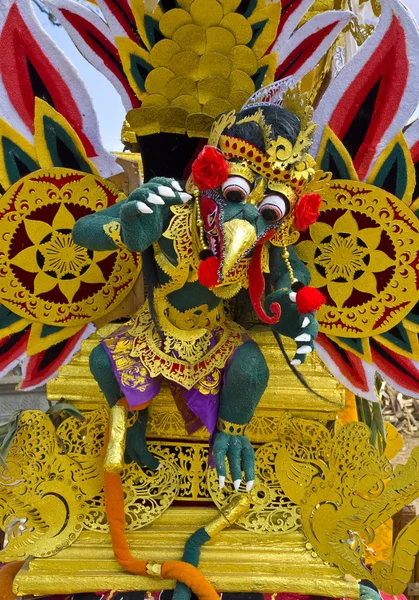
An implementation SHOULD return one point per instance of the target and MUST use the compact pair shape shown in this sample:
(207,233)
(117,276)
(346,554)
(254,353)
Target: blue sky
(106,100)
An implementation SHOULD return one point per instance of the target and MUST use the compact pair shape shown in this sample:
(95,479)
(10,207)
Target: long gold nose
(239,237)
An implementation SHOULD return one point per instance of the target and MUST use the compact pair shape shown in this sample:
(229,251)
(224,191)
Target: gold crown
(286,166)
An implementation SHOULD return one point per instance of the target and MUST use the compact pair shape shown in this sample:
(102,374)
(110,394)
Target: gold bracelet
(154,569)
(231,428)
(113,230)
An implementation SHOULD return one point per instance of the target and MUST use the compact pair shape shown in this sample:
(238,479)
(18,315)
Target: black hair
(283,123)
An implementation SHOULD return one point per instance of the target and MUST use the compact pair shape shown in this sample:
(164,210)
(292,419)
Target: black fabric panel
(357,131)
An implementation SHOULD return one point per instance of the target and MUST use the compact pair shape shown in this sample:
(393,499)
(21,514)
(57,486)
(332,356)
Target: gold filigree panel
(147,495)
(346,490)
(42,504)
(53,487)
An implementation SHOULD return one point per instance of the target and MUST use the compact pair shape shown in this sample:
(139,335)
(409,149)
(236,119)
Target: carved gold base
(235,561)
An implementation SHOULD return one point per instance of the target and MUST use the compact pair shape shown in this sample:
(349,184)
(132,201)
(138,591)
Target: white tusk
(304,337)
(185,197)
(176,186)
(154,199)
(249,485)
(221,481)
(143,208)
(237,484)
(304,350)
(164,190)
(306,321)
(296,362)
(293,296)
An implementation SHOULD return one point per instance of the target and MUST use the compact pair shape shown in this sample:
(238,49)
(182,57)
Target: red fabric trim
(302,52)
(101,46)
(398,368)
(389,63)
(348,364)
(18,43)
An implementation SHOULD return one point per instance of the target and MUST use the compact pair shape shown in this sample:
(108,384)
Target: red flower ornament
(306,211)
(210,169)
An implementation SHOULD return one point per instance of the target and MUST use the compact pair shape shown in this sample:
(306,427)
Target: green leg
(101,368)
(245,382)
(136,445)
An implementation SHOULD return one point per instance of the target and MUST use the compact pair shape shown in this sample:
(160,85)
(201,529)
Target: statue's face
(240,214)
(262,177)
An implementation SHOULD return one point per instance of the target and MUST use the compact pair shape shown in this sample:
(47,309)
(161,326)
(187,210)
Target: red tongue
(208,271)
(257,288)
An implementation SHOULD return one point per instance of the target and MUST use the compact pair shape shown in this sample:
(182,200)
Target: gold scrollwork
(346,489)
(42,504)
(270,510)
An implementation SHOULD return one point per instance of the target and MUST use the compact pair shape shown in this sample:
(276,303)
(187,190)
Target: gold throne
(265,551)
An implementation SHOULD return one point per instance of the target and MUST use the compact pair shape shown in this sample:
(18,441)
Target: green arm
(302,328)
(143,217)
(280,276)
(88,231)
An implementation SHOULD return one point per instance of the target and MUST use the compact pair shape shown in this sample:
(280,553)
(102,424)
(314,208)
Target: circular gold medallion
(44,275)
(363,254)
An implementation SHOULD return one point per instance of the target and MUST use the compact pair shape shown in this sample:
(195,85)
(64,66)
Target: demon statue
(227,229)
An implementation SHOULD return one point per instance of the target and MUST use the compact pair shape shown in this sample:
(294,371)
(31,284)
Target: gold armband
(113,230)
(114,459)
(237,506)
(154,569)
(231,428)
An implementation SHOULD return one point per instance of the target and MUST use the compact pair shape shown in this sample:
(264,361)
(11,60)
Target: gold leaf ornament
(345,490)
(202,68)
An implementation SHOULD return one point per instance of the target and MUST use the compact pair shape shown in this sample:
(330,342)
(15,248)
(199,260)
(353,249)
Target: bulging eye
(236,189)
(273,208)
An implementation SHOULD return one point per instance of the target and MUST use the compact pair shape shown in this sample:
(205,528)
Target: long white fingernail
(221,481)
(304,337)
(143,208)
(159,467)
(249,485)
(176,186)
(185,197)
(164,190)
(296,362)
(154,199)
(237,484)
(304,350)
(306,321)
(293,296)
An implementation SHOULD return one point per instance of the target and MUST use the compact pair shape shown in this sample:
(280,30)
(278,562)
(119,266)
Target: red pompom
(208,272)
(306,211)
(309,299)
(210,169)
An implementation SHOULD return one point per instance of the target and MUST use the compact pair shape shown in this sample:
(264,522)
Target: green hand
(240,456)
(302,328)
(143,213)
